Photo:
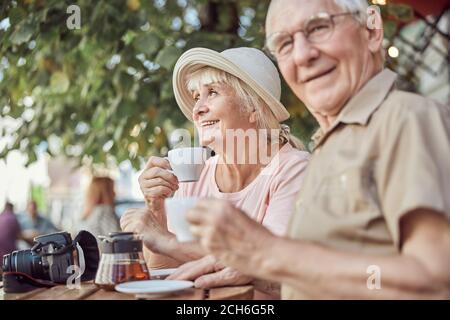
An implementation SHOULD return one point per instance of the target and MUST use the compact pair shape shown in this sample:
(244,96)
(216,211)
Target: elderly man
(372,217)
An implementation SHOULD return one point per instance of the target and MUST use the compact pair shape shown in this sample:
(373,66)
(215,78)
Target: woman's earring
(253,117)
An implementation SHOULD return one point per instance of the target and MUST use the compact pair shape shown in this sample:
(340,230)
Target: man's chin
(322,106)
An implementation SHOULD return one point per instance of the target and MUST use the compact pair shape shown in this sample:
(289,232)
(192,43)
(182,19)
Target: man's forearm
(323,273)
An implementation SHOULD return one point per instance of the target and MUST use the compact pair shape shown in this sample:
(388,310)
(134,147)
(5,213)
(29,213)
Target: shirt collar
(316,137)
(360,107)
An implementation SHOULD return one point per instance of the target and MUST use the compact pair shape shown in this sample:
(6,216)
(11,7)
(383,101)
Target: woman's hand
(207,272)
(152,226)
(193,269)
(157,183)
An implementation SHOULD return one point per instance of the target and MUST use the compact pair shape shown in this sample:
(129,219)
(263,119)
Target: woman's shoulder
(289,154)
(288,168)
(289,162)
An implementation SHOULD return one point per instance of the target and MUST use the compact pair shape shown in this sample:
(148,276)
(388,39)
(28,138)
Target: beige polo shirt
(387,154)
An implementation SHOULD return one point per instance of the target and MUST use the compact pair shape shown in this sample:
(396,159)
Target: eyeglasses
(317,29)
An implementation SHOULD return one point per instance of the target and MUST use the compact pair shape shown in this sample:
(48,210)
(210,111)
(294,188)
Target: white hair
(353,6)
(345,5)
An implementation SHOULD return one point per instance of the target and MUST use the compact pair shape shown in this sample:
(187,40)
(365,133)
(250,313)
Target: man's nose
(303,53)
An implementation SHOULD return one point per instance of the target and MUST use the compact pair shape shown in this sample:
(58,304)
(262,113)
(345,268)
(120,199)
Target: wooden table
(89,291)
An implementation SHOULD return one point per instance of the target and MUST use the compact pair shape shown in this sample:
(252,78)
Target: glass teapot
(121,260)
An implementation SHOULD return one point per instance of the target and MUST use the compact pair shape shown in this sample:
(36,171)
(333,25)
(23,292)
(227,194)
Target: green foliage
(394,15)
(105,89)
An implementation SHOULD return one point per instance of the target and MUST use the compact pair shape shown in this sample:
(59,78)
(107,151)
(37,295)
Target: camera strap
(18,282)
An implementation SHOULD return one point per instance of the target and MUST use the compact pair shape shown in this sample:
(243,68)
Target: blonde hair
(100,191)
(250,101)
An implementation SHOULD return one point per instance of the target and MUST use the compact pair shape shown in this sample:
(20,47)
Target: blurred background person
(99,216)
(33,224)
(9,231)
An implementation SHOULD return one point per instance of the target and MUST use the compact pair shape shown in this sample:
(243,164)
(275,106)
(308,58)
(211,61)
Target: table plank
(89,291)
(103,294)
(19,296)
(64,293)
(231,293)
(189,294)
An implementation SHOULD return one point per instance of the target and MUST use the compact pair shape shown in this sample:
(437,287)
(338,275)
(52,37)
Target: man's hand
(208,273)
(151,226)
(229,234)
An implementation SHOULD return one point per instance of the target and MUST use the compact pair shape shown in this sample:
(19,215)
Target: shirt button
(343,179)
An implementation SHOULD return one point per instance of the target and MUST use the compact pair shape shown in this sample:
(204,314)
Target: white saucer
(154,286)
(161,273)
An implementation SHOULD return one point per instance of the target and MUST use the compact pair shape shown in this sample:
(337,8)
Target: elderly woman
(236,90)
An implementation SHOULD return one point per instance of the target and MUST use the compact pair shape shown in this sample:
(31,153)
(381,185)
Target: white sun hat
(250,65)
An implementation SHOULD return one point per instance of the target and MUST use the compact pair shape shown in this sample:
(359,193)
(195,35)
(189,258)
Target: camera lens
(26,262)
(6,265)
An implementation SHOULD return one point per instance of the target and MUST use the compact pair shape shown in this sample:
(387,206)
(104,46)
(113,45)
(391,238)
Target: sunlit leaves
(147,43)
(401,12)
(59,82)
(92,87)
(168,56)
(22,33)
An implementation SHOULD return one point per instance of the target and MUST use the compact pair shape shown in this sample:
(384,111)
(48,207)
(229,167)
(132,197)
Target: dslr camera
(47,263)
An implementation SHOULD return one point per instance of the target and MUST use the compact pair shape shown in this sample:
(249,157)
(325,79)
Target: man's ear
(375,30)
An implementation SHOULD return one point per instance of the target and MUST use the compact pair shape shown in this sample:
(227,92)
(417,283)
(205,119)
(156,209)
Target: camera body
(48,259)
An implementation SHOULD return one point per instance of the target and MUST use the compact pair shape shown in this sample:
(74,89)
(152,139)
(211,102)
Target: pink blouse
(269,199)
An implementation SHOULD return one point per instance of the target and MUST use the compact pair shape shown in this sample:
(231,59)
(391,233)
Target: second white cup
(176,210)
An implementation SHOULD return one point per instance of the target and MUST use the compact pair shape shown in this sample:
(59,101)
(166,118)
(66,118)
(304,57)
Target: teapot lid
(120,242)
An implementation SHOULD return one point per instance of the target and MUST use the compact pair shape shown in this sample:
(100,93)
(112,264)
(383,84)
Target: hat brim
(197,58)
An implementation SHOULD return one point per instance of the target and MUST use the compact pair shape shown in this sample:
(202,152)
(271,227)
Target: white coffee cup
(187,163)
(176,210)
